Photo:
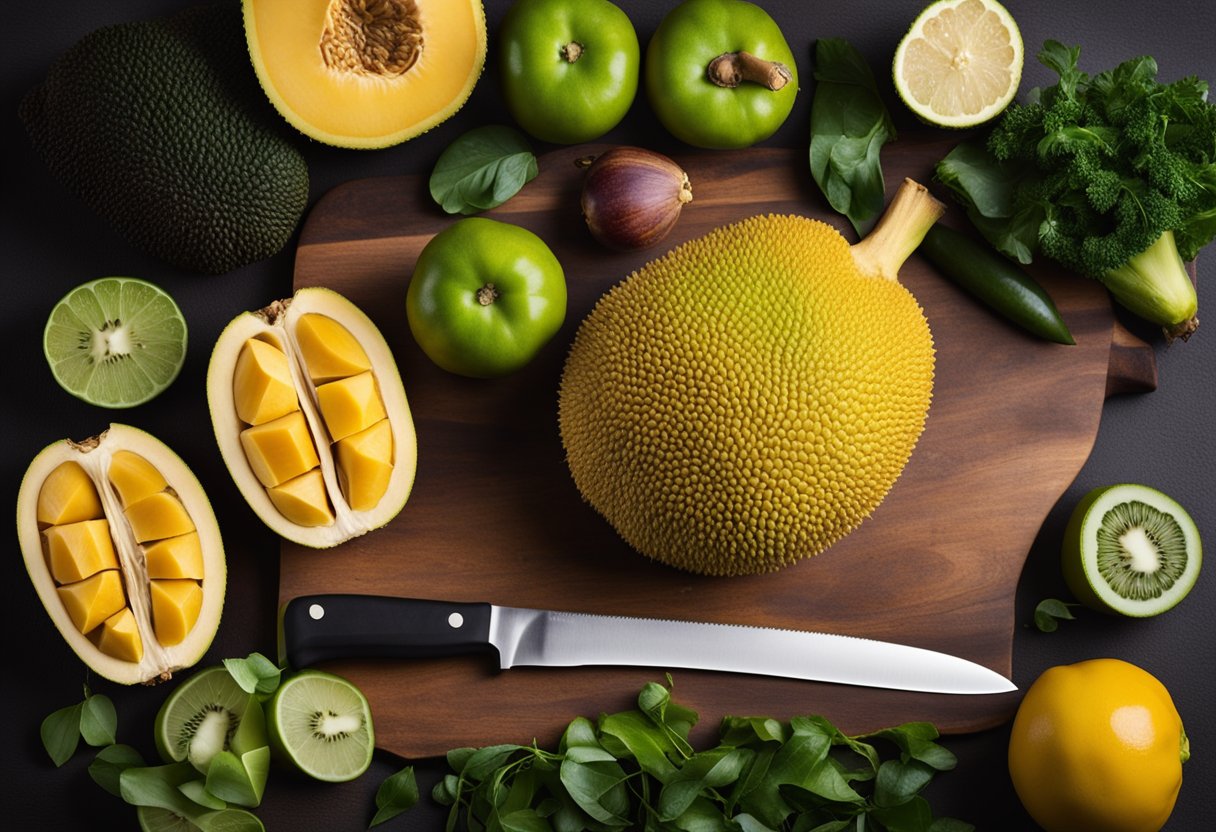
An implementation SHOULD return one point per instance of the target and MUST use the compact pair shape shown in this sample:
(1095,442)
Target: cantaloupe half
(366,73)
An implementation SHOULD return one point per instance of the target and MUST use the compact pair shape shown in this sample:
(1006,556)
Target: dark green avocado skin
(161,128)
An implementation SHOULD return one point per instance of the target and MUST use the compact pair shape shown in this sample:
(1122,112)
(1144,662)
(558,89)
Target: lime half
(960,63)
(116,341)
(322,724)
(1130,549)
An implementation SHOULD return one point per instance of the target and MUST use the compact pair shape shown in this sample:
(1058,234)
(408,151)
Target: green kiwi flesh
(1130,550)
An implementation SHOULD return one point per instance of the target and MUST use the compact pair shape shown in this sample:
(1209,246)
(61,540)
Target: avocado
(161,128)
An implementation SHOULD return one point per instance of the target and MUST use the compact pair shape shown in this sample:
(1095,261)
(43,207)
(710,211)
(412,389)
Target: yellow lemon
(960,62)
(1098,746)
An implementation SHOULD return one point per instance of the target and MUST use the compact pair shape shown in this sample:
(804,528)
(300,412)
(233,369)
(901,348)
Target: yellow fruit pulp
(365,465)
(350,405)
(303,500)
(79,550)
(175,557)
(175,608)
(356,73)
(261,384)
(68,496)
(280,450)
(133,477)
(329,351)
(119,637)
(158,516)
(93,600)
(1097,745)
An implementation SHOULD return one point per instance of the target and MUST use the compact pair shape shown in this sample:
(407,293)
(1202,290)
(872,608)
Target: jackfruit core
(749,398)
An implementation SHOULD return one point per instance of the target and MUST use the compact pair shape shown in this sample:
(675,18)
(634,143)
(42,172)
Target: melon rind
(227,425)
(158,663)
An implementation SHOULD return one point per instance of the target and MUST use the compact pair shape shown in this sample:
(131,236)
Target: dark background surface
(51,243)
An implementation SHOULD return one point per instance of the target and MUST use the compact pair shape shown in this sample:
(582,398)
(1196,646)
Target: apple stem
(733,68)
(487,294)
(572,51)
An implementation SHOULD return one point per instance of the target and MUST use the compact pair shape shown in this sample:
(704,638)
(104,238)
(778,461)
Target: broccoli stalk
(1112,176)
(1154,284)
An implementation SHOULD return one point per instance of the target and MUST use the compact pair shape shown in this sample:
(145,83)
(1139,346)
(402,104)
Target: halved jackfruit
(366,73)
(292,470)
(94,564)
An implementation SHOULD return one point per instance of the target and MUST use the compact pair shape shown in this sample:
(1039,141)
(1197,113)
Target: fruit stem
(899,231)
(733,68)
(572,51)
(487,294)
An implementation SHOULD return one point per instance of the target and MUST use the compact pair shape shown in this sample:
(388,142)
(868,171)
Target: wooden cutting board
(494,515)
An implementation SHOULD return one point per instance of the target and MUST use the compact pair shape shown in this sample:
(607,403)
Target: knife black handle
(315,628)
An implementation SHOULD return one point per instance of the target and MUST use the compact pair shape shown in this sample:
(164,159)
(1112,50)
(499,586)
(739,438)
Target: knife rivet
(316,612)
(455,620)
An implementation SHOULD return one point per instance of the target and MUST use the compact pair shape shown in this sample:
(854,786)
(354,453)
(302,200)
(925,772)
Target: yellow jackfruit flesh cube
(330,352)
(158,516)
(350,405)
(119,637)
(279,450)
(175,608)
(262,387)
(133,477)
(365,464)
(175,557)
(303,500)
(68,496)
(78,550)
(93,600)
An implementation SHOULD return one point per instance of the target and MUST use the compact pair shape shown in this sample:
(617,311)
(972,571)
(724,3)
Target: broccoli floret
(1122,169)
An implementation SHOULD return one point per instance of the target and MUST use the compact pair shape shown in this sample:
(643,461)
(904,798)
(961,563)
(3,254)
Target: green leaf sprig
(398,793)
(482,169)
(1049,612)
(849,126)
(93,719)
(637,770)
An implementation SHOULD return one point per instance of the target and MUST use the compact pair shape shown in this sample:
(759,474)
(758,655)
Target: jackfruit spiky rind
(746,400)
(160,127)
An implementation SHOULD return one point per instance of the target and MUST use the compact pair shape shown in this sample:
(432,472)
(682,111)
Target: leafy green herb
(397,794)
(255,673)
(109,764)
(1049,612)
(92,719)
(637,770)
(849,126)
(1112,176)
(482,169)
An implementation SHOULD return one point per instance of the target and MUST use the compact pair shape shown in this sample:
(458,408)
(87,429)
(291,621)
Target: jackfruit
(161,128)
(749,398)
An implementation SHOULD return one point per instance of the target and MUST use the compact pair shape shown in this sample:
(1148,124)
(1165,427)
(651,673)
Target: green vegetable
(255,673)
(1113,176)
(719,73)
(484,298)
(996,281)
(160,127)
(482,169)
(849,126)
(1049,612)
(569,67)
(636,769)
(398,793)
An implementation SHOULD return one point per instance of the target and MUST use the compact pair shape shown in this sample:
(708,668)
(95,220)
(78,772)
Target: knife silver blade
(317,628)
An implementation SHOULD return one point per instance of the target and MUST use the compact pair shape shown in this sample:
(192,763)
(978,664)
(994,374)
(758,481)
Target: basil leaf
(1049,611)
(254,674)
(398,793)
(634,735)
(98,720)
(898,782)
(849,126)
(61,733)
(110,763)
(985,188)
(158,786)
(482,169)
(913,816)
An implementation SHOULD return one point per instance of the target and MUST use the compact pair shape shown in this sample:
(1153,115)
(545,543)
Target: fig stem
(572,51)
(733,68)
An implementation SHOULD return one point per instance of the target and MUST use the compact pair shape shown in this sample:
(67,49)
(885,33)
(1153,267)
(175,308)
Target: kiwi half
(1130,550)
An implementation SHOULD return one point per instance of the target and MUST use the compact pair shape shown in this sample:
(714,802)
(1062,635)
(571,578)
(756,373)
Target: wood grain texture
(495,517)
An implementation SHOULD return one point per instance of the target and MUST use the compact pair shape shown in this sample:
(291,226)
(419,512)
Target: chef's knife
(316,628)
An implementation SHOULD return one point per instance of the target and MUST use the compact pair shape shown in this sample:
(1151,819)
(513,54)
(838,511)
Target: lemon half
(960,63)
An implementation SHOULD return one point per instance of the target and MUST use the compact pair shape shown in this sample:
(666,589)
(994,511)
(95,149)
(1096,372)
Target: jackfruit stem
(899,231)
